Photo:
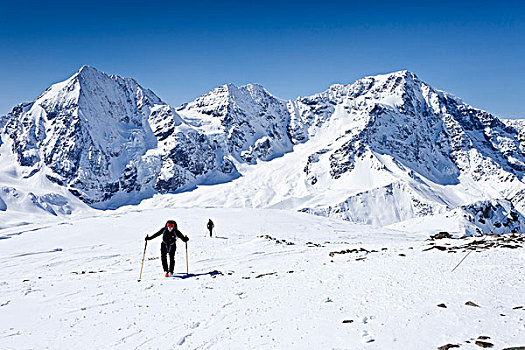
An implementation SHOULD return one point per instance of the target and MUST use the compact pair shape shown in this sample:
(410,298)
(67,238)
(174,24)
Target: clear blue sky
(180,50)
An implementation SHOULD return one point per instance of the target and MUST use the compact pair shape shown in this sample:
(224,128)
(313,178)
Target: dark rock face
(24,135)
(441,235)
(191,157)
(448,346)
(484,344)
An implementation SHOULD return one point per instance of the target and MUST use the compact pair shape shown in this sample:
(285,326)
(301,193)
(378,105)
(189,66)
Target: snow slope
(288,280)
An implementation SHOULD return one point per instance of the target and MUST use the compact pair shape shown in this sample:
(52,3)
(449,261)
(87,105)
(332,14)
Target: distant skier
(169,237)
(210,225)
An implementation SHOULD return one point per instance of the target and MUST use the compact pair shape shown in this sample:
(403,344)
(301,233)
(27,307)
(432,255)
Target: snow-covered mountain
(384,150)
(247,122)
(108,141)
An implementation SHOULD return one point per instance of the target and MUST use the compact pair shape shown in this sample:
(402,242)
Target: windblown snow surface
(266,280)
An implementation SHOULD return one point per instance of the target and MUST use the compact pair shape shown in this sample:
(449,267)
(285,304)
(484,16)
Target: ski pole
(143,256)
(461,261)
(468,254)
(187,269)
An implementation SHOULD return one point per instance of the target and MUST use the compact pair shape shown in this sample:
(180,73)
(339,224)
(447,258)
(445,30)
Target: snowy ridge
(494,216)
(382,206)
(383,150)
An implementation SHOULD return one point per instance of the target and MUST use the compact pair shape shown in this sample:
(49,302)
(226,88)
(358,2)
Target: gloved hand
(185,239)
(147,238)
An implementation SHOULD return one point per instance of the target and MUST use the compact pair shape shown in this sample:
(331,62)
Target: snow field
(74,284)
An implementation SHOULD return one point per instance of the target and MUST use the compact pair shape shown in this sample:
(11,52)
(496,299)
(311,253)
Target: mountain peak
(89,72)
(405,75)
(87,68)
(400,73)
(235,91)
(254,87)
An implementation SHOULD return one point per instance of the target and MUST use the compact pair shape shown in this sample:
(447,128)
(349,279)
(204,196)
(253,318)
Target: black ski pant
(164,250)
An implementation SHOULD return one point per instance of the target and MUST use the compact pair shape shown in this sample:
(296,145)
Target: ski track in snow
(269,295)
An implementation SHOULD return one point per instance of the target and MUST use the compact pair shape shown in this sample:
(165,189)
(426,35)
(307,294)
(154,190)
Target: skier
(210,226)
(169,237)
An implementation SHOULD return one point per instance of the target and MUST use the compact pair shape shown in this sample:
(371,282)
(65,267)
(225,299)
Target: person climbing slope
(210,226)
(169,244)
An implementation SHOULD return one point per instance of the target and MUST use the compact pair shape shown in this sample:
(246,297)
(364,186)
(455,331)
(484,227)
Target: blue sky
(180,50)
